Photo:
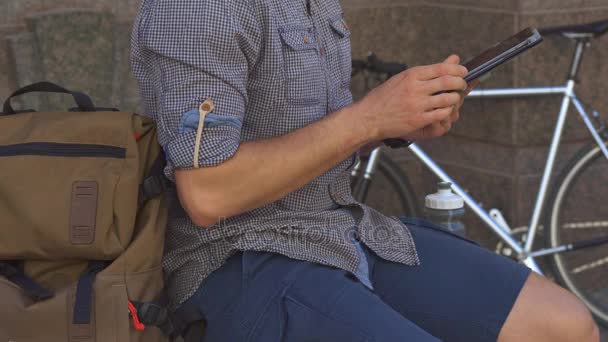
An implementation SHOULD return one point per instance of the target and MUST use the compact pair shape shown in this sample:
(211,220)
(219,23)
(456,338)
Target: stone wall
(81,44)
(497,149)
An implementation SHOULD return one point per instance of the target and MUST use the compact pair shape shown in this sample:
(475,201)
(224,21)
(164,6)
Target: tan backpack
(82,225)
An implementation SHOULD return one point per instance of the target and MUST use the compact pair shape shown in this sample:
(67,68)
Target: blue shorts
(460,292)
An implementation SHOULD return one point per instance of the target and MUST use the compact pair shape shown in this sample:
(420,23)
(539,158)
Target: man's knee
(573,320)
(578,321)
(547,312)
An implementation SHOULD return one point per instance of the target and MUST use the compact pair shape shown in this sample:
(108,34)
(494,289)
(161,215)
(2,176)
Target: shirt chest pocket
(304,78)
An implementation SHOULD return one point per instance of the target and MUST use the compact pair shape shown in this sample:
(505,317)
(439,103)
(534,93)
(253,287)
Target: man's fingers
(437,122)
(455,115)
(437,115)
(429,72)
(471,86)
(453,59)
(443,100)
(436,129)
(445,83)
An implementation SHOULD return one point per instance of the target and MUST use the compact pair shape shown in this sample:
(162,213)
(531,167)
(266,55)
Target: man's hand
(442,127)
(408,106)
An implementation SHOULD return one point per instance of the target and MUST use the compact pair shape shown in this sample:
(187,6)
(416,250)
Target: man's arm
(263,171)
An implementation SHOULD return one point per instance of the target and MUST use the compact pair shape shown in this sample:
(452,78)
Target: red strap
(137,136)
(136,323)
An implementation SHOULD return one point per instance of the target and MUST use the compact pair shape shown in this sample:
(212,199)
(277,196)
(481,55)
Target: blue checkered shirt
(270,67)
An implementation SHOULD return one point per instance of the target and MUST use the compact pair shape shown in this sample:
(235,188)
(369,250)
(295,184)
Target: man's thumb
(453,59)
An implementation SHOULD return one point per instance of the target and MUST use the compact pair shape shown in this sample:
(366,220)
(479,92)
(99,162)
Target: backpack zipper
(63,150)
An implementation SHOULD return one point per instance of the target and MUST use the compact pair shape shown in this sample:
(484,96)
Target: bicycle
(576,236)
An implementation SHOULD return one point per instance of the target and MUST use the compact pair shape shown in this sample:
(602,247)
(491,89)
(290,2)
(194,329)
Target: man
(256,118)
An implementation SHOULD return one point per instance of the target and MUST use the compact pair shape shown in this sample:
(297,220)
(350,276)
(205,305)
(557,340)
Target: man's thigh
(460,292)
(282,299)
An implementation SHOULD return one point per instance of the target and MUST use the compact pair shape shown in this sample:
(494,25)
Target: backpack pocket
(69,199)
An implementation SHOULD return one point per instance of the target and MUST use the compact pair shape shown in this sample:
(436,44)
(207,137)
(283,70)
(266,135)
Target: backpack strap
(155,183)
(83,101)
(32,289)
(84,293)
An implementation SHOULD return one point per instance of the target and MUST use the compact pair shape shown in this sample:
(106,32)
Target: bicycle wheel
(578,215)
(388,191)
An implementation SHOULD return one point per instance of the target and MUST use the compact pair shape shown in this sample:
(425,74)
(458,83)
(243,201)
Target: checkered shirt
(270,67)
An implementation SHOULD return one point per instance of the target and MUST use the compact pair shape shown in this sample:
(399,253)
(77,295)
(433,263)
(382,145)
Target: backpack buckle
(151,187)
(151,313)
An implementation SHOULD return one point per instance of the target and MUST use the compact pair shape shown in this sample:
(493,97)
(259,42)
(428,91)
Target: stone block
(73,44)
(125,87)
(26,69)
(497,5)
(76,50)
(535,121)
(531,160)
(531,163)
(560,5)
(425,34)
(13,12)
(488,120)
(7,82)
(475,154)
(126,8)
(549,64)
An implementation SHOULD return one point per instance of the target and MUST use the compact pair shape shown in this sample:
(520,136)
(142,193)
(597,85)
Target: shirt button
(306,40)
(322,51)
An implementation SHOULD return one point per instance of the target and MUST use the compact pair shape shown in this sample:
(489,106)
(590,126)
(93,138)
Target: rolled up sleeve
(189,52)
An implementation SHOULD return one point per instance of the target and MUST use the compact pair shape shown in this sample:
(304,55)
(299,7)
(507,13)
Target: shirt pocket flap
(298,37)
(338,24)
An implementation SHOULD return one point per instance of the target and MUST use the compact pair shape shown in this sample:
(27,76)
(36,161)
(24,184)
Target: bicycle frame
(524,252)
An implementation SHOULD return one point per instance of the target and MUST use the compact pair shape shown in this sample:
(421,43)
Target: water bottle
(445,209)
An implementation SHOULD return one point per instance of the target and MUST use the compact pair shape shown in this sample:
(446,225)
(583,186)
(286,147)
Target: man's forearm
(264,171)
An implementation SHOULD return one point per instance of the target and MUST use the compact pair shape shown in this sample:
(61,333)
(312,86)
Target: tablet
(501,53)
(488,60)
